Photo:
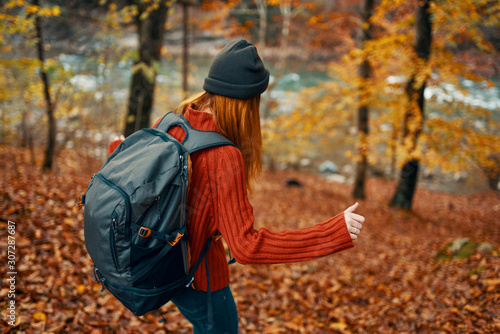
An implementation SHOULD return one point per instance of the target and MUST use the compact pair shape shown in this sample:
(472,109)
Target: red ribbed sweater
(218,201)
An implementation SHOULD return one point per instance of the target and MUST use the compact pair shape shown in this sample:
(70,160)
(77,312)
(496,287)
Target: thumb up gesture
(353,221)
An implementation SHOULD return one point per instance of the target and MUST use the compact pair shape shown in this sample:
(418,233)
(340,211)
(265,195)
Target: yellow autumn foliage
(451,138)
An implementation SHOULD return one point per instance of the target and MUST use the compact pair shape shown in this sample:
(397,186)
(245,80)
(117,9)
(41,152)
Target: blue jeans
(193,306)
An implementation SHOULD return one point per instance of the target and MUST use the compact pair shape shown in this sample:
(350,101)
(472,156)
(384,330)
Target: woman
(218,202)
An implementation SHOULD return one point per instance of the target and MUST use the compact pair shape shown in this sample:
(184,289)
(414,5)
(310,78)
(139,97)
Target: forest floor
(390,282)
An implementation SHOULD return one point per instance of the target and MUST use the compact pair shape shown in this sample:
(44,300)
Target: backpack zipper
(184,170)
(128,233)
(99,278)
(145,212)
(185,181)
(112,242)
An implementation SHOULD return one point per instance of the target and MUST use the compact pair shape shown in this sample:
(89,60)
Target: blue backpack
(135,216)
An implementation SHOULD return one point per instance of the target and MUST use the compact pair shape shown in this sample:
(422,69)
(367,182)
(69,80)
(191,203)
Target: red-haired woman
(217,198)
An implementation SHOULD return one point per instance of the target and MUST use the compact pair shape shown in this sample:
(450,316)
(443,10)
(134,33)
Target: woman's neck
(206,109)
(203,108)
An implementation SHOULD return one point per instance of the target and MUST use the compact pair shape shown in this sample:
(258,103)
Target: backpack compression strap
(194,140)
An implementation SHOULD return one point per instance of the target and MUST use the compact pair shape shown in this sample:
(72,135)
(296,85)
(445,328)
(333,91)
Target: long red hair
(239,121)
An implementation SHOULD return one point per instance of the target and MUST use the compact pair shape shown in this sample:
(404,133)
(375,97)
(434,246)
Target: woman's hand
(353,221)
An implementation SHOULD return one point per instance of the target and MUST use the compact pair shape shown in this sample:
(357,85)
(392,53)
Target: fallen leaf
(338,325)
(39,316)
(81,288)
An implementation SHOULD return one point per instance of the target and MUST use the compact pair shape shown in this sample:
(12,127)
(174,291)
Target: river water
(298,76)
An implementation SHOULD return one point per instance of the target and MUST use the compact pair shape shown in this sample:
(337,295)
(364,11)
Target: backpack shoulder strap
(194,140)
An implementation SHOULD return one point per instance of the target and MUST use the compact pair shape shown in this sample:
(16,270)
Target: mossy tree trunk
(150,22)
(414,113)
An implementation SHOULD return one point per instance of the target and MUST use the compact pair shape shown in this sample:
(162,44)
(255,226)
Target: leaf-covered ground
(390,282)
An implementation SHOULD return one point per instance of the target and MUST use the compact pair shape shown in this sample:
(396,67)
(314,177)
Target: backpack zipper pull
(191,281)
(184,171)
(95,275)
(80,202)
(99,279)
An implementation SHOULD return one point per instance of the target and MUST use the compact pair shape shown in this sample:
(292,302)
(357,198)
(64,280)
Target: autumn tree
(150,18)
(81,86)
(363,111)
(25,19)
(51,136)
(321,115)
(466,131)
(218,17)
(459,132)
(413,121)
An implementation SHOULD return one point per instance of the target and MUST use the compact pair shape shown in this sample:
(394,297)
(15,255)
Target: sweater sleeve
(235,220)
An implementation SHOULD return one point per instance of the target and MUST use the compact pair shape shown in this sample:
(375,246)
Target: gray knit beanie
(237,71)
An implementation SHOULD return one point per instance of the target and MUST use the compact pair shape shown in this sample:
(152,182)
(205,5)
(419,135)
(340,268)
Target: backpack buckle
(80,202)
(176,240)
(144,232)
(217,236)
(190,282)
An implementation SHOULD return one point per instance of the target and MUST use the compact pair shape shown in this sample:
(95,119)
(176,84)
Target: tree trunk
(150,33)
(51,136)
(286,13)
(185,50)
(363,110)
(262,9)
(414,114)
(491,170)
